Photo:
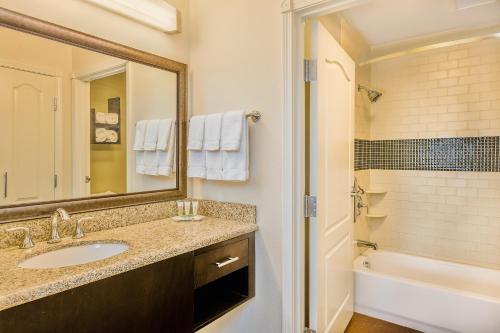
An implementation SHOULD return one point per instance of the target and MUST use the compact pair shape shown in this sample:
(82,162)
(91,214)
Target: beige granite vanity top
(148,242)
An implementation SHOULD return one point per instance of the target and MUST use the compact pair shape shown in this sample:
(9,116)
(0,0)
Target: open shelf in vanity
(224,278)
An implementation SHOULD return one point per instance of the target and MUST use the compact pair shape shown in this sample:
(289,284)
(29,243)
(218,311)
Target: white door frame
(294,12)
(81,115)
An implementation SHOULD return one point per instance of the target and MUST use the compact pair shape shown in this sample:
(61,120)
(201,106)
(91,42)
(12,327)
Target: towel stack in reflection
(106,135)
(218,147)
(154,145)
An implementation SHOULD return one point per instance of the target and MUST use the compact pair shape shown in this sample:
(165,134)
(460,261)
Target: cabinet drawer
(216,263)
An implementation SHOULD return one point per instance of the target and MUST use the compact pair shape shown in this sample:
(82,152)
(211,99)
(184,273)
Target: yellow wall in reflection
(108,162)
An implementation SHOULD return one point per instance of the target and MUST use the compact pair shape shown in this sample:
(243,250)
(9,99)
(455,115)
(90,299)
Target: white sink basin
(74,255)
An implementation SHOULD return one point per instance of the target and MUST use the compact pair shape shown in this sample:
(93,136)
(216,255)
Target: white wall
(235,63)
(152,94)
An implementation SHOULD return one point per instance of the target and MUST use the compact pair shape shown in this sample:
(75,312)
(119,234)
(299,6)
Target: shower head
(373,95)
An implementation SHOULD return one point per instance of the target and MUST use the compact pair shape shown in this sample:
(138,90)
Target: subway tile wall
(451,92)
(448,92)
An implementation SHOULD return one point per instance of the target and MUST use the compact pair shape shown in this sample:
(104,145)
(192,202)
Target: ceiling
(389,22)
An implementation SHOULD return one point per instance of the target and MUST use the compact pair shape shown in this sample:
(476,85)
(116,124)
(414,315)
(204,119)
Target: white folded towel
(235,164)
(140,168)
(100,135)
(103,135)
(196,164)
(150,163)
(166,159)
(140,134)
(151,137)
(100,117)
(111,118)
(231,133)
(196,133)
(214,165)
(164,129)
(213,124)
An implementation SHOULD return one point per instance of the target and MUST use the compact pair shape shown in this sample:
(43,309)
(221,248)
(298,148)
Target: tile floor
(364,324)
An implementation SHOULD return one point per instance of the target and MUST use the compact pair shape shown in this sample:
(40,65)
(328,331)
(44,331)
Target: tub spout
(362,243)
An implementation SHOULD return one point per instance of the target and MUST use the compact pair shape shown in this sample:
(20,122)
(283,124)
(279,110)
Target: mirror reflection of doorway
(108,148)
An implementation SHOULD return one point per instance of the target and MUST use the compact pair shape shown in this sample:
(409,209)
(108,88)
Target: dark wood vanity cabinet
(177,295)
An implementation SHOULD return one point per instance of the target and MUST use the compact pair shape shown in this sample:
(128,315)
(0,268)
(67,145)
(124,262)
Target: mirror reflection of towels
(104,135)
(106,118)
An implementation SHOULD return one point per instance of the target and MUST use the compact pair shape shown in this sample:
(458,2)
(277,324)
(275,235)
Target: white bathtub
(429,295)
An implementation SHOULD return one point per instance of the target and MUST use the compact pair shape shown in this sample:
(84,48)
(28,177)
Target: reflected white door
(26,136)
(332,120)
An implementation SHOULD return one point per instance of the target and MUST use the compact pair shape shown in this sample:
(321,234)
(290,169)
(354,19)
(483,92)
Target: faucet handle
(78,229)
(27,241)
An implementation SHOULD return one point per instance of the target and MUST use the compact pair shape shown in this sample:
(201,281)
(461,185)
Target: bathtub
(429,295)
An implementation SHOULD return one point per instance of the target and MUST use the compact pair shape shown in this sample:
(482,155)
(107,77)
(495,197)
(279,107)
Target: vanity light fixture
(157,14)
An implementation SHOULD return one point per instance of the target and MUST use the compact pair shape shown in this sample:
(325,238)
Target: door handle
(228,261)
(5,184)
(87,179)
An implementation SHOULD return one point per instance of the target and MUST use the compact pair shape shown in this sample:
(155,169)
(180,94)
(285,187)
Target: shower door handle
(5,184)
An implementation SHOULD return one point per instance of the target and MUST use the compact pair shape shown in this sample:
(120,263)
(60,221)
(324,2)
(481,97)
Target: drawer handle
(228,261)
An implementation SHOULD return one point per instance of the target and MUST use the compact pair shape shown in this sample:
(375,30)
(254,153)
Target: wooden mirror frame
(23,23)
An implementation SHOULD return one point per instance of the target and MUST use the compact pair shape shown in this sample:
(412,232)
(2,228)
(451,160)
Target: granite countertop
(148,242)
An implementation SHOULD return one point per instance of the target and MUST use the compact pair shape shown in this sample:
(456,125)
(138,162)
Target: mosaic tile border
(480,154)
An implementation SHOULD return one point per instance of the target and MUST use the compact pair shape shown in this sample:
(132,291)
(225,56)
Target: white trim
(293,153)
(157,14)
(80,137)
(102,72)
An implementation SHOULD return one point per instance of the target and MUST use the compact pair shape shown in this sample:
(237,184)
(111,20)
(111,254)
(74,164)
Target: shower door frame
(294,13)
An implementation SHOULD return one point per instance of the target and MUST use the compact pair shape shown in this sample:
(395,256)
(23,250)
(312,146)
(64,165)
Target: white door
(26,136)
(331,139)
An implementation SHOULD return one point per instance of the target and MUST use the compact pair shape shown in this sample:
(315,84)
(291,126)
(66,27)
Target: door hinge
(309,206)
(308,330)
(55,104)
(310,70)
(55,181)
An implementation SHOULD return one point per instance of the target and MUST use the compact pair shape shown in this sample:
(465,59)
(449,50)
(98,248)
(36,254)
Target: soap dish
(188,218)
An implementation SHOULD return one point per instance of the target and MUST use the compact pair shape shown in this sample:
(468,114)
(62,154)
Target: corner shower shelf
(376,216)
(377,191)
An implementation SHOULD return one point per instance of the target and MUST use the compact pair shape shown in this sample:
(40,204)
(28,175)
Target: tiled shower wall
(446,93)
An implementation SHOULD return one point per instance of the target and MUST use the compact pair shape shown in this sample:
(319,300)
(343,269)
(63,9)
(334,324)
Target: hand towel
(196,133)
(164,129)
(166,159)
(196,164)
(140,168)
(235,164)
(211,138)
(231,133)
(150,163)
(214,165)
(151,137)
(140,133)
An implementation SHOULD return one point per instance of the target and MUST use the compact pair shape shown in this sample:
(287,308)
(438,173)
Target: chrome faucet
(362,243)
(59,213)
(27,241)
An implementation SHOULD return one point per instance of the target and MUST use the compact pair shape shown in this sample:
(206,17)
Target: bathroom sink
(74,255)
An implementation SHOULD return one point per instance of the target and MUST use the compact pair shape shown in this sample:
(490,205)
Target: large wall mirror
(85,123)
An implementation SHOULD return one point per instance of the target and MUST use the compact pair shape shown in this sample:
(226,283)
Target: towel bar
(254,115)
